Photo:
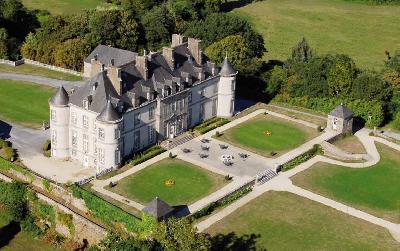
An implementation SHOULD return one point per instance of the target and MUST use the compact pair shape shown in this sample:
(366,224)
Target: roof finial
(226,54)
(341,103)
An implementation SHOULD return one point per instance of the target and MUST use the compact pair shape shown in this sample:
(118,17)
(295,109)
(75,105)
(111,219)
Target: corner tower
(226,90)
(59,124)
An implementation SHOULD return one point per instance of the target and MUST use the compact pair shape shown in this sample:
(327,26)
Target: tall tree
(341,75)
(302,52)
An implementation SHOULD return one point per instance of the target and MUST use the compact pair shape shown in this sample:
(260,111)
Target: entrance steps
(181,139)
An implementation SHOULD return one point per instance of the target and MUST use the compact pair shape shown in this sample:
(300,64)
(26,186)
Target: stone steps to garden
(265,176)
(181,139)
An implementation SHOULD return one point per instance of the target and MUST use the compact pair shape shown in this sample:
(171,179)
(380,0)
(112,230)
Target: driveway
(41,80)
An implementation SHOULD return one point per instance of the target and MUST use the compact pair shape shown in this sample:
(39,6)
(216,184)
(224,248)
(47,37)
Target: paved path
(297,111)
(283,183)
(41,80)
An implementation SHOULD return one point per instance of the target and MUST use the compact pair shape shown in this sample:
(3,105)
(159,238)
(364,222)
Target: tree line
(135,25)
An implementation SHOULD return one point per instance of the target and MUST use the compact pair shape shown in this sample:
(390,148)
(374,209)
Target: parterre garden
(283,221)
(372,189)
(24,103)
(173,180)
(268,135)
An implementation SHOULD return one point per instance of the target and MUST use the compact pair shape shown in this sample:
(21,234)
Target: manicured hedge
(302,158)
(210,124)
(146,155)
(106,212)
(371,112)
(226,201)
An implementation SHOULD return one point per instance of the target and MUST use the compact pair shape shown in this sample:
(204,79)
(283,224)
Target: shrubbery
(210,124)
(302,158)
(106,212)
(145,155)
(371,112)
(6,151)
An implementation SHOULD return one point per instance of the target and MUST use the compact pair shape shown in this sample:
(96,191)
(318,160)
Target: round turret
(226,90)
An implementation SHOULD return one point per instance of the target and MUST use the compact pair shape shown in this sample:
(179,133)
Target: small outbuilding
(159,209)
(341,120)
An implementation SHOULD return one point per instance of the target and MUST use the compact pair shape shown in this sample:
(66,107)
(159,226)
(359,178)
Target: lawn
(362,31)
(350,144)
(22,241)
(191,183)
(38,71)
(373,189)
(288,222)
(24,103)
(62,6)
(253,135)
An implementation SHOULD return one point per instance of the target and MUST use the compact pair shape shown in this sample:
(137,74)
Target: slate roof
(342,111)
(109,114)
(97,90)
(106,53)
(60,98)
(158,208)
(227,68)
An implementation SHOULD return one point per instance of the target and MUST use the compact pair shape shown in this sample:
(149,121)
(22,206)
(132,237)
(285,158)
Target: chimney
(177,40)
(168,54)
(212,68)
(114,74)
(194,48)
(141,65)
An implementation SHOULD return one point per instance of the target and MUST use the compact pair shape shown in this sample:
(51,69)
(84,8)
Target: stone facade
(341,120)
(132,102)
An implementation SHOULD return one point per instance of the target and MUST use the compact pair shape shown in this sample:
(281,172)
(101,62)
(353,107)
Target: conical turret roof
(227,68)
(109,114)
(60,97)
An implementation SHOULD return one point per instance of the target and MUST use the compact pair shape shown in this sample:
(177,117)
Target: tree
(302,52)
(179,234)
(276,80)
(115,242)
(71,53)
(182,12)
(235,46)
(371,86)
(3,43)
(394,61)
(158,26)
(128,32)
(218,26)
(341,75)
(13,198)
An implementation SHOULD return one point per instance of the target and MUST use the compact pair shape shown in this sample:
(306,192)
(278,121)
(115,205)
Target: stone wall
(36,63)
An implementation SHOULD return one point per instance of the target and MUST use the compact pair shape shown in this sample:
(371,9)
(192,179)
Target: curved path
(41,80)
(283,183)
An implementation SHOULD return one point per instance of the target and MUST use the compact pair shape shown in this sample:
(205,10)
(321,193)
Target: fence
(38,64)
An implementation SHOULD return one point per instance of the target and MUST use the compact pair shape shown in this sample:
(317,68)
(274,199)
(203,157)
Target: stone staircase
(265,176)
(181,139)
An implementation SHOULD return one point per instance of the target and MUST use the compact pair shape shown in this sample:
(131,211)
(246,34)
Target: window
(136,139)
(151,112)
(232,106)
(85,120)
(137,119)
(85,143)
(203,92)
(117,157)
(190,97)
(86,104)
(152,134)
(74,139)
(233,85)
(202,112)
(53,137)
(101,155)
(117,133)
(214,108)
(101,134)
(53,115)
(73,118)
(189,118)
(173,105)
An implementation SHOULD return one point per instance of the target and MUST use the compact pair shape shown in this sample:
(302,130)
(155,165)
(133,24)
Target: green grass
(288,222)
(24,103)
(38,71)
(251,135)
(191,183)
(62,6)
(23,241)
(373,189)
(331,26)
